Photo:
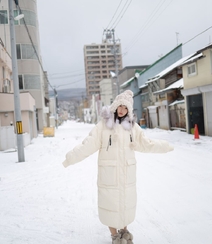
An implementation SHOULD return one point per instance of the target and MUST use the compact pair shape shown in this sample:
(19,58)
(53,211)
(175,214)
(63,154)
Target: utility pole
(115,59)
(17,109)
(110,35)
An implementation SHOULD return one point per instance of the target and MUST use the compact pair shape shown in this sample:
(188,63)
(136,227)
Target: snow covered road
(42,202)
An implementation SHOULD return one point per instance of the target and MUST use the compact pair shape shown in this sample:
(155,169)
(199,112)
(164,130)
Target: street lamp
(18,17)
(17,109)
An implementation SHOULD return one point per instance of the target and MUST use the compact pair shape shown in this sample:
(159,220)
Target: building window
(18,51)
(145,97)
(25,51)
(31,82)
(92,52)
(192,69)
(3,17)
(28,51)
(111,61)
(162,95)
(20,80)
(3,72)
(92,47)
(29,18)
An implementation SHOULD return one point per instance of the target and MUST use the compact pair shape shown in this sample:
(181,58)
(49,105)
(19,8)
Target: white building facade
(30,74)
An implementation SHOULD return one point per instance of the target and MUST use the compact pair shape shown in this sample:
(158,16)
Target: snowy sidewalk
(42,202)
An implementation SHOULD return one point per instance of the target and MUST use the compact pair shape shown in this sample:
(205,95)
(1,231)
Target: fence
(8,138)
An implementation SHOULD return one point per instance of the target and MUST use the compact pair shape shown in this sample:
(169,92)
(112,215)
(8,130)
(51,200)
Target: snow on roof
(152,107)
(176,102)
(205,47)
(127,82)
(170,68)
(175,85)
(193,58)
(142,86)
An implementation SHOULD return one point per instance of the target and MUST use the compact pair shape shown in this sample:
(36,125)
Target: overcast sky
(147,30)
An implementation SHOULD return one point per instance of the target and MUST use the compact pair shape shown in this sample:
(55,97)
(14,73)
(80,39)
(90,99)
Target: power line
(70,83)
(114,14)
(67,76)
(197,35)
(70,72)
(120,14)
(148,22)
(123,14)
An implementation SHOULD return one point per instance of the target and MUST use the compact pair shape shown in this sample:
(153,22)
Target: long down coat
(116,144)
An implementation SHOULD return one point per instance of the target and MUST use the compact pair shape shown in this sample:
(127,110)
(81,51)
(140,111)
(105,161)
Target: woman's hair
(119,118)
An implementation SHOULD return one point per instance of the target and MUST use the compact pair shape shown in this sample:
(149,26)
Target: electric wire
(120,14)
(147,23)
(123,14)
(197,35)
(114,14)
(67,76)
(70,83)
(70,72)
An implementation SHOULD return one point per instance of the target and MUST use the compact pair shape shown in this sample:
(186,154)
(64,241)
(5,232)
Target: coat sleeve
(143,144)
(90,145)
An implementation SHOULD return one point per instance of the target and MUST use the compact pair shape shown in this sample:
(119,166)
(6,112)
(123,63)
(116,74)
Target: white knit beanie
(126,99)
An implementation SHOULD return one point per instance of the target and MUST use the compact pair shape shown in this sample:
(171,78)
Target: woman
(116,137)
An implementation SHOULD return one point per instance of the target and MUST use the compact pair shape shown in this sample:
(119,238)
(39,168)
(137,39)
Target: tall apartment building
(99,60)
(31,77)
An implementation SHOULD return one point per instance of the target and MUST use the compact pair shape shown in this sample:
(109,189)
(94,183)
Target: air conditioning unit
(6,89)
(6,86)
(6,82)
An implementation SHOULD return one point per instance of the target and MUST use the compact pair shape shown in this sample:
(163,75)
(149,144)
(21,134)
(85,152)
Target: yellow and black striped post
(19,127)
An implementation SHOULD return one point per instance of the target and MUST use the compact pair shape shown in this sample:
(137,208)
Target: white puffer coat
(116,165)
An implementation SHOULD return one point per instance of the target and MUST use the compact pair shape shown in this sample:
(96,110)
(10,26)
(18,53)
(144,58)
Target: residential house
(164,89)
(143,95)
(197,76)
(171,107)
(125,74)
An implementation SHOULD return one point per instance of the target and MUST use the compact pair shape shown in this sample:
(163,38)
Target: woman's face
(122,110)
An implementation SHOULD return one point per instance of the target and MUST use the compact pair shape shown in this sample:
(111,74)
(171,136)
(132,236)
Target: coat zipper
(130,137)
(109,142)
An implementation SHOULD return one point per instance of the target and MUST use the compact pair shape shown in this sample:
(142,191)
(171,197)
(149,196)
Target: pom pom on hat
(125,99)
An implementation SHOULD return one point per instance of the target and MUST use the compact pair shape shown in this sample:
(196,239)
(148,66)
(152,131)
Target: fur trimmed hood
(125,98)
(108,118)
